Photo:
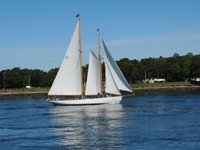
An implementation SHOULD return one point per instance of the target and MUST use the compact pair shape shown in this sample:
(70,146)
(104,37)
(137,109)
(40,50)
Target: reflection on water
(89,126)
(155,121)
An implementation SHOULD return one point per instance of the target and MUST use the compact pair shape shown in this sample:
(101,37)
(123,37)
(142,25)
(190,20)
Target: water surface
(153,121)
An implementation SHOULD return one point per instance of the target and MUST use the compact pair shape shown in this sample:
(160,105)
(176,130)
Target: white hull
(88,101)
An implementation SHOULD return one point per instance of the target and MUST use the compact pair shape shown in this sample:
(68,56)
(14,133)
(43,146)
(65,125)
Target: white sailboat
(67,88)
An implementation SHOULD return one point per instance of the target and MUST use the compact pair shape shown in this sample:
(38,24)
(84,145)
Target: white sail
(117,75)
(68,78)
(93,77)
(111,86)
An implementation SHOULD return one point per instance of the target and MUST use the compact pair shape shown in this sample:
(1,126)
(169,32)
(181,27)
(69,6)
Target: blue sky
(35,33)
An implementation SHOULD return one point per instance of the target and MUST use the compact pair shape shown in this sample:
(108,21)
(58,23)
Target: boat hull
(88,101)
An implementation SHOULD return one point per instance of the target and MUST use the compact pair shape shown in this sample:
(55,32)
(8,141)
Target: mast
(100,66)
(80,55)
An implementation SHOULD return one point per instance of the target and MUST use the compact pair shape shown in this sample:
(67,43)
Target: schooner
(67,87)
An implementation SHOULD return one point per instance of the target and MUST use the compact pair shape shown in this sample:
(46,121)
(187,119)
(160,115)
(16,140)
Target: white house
(154,80)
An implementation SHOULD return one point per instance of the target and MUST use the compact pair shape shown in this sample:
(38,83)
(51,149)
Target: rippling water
(164,121)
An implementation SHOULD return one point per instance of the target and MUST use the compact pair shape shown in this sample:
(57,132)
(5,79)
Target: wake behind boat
(68,89)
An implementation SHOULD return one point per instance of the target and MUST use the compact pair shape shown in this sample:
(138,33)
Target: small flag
(77,15)
(98,30)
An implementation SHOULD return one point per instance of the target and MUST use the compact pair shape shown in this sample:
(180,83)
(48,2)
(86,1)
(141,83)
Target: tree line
(173,69)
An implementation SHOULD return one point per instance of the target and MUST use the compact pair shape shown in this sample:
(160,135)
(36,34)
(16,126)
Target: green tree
(195,67)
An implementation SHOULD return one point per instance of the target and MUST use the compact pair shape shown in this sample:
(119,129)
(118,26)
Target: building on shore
(195,80)
(156,80)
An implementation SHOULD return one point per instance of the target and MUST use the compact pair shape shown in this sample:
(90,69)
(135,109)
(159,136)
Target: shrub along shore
(172,69)
(139,87)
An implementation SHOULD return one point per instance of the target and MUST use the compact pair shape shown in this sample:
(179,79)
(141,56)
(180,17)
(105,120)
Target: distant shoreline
(193,87)
(43,93)
(23,94)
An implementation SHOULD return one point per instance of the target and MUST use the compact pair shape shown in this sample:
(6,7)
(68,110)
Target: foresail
(93,77)
(111,86)
(68,79)
(117,75)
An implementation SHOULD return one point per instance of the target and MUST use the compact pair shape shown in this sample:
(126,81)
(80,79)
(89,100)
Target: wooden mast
(80,56)
(100,66)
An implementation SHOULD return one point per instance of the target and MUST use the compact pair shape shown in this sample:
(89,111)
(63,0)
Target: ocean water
(152,121)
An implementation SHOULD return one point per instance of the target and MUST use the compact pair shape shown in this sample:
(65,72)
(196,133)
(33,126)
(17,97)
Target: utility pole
(29,80)
(4,80)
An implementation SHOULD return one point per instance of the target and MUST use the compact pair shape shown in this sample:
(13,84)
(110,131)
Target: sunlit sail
(67,88)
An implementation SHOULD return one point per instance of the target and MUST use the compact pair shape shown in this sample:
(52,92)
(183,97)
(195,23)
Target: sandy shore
(24,94)
(39,93)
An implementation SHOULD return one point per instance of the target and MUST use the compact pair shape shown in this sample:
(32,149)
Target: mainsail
(93,77)
(68,79)
(115,72)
